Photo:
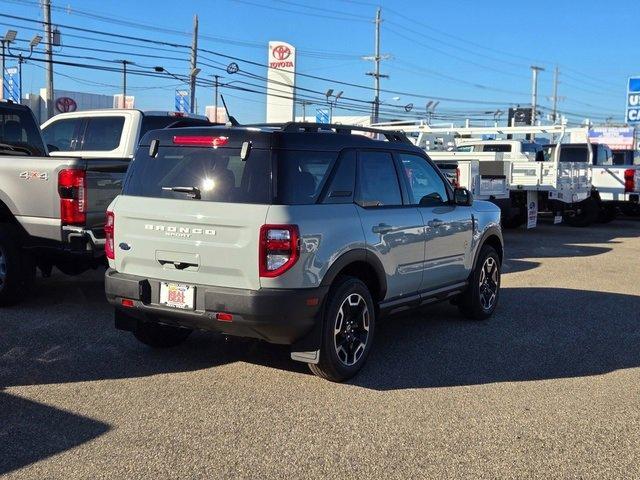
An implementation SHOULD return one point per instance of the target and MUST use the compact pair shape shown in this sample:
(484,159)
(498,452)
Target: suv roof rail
(391,136)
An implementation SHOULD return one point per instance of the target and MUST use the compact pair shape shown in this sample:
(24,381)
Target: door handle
(435,223)
(382,228)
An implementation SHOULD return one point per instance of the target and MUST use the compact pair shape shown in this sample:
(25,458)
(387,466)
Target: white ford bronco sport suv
(300,234)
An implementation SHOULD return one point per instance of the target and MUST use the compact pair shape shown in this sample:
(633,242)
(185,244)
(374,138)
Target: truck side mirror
(462,197)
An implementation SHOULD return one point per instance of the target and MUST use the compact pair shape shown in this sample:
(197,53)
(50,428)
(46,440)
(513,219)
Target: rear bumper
(283,316)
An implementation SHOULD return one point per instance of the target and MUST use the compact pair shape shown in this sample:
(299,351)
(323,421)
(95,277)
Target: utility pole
(377,57)
(194,62)
(534,95)
(46,6)
(554,113)
(124,82)
(215,100)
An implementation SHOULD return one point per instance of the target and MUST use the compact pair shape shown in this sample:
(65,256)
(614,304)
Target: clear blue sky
(461,49)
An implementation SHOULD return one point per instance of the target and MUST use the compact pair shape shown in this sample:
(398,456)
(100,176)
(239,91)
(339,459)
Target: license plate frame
(180,296)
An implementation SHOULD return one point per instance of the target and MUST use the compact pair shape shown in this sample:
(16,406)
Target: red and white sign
(66,104)
(280,82)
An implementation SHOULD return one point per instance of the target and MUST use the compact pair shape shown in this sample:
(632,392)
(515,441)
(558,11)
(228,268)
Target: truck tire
(585,214)
(479,300)
(632,210)
(17,269)
(157,335)
(349,320)
(607,214)
(514,221)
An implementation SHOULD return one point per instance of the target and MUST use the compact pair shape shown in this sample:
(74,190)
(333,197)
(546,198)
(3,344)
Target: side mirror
(462,197)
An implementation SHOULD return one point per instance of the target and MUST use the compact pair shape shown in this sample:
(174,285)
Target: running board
(424,298)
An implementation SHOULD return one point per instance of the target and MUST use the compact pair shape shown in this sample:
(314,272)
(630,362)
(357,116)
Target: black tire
(584,214)
(632,210)
(343,354)
(514,221)
(17,269)
(157,335)
(476,302)
(607,214)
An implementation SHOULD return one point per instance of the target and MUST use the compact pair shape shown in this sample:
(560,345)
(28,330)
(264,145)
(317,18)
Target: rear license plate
(177,295)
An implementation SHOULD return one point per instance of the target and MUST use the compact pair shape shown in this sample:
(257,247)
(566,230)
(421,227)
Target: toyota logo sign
(281,52)
(66,104)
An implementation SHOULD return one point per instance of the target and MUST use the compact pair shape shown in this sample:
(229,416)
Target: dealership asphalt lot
(550,386)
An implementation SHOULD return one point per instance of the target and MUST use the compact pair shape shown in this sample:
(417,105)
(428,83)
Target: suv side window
(377,181)
(425,185)
(63,134)
(102,134)
(496,147)
(342,183)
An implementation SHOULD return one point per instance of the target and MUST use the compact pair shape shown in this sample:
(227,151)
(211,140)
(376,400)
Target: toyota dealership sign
(281,82)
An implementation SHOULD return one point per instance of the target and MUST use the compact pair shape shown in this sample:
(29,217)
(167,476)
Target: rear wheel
(17,269)
(607,214)
(480,299)
(584,213)
(348,328)
(160,336)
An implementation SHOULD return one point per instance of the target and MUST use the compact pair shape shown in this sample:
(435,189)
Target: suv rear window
(219,175)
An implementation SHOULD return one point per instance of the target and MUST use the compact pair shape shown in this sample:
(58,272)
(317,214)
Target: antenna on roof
(231,122)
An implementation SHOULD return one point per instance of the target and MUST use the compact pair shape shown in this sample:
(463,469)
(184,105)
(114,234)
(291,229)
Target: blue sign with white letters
(322,115)
(182,101)
(11,84)
(633,101)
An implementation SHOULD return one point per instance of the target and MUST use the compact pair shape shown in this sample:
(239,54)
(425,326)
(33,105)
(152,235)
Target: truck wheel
(607,214)
(348,326)
(631,210)
(514,221)
(157,335)
(584,214)
(479,300)
(17,270)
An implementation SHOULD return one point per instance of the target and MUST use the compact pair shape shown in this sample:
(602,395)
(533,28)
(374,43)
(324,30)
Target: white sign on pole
(532,209)
(281,82)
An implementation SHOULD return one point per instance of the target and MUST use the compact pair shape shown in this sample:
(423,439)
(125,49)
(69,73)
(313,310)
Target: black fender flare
(494,231)
(357,255)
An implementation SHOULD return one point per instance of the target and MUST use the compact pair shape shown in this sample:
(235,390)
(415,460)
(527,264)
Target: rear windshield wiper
(193,191)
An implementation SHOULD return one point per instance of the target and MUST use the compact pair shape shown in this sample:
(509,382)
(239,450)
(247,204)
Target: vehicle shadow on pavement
(535,334)
(554,241)
(31,431)
(65,333)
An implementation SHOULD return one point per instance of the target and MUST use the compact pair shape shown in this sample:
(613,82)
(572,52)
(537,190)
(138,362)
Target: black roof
(294,135)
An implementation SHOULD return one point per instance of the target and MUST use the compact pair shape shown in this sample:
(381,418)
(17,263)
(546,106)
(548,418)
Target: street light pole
(215,100)
(46,5)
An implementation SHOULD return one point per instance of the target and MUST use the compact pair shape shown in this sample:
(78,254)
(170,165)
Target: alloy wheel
(351,329)
(489,283)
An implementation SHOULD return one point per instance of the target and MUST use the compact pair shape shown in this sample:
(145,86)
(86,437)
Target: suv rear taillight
(630,180)
(72,188)
(109,245)
(279,249)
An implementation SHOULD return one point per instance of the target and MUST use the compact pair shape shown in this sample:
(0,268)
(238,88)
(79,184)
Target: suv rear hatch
(192,208)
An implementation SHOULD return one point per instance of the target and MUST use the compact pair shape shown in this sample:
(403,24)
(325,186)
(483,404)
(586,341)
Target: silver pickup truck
(52,209)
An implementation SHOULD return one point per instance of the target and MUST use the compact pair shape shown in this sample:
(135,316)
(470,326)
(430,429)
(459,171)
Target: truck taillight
(630,180)
(109,245)
(72,188)
(279,249)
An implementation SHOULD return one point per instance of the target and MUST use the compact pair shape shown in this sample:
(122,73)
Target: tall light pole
(194,65)
(46,6)
(9,37)
(35,41)
(377,57)
(534,92)
(332,103)
(215,98)
(124,81)
(554,113)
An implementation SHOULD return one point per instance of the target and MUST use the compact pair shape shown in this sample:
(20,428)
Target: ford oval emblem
(125,246)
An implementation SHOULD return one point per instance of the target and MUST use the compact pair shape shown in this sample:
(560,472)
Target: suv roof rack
(391,136)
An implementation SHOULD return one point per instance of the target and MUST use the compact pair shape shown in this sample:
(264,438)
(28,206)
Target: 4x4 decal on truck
(34,176)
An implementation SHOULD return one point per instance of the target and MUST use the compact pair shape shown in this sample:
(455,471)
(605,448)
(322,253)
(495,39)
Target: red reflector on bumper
(224,317)
(127,302)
